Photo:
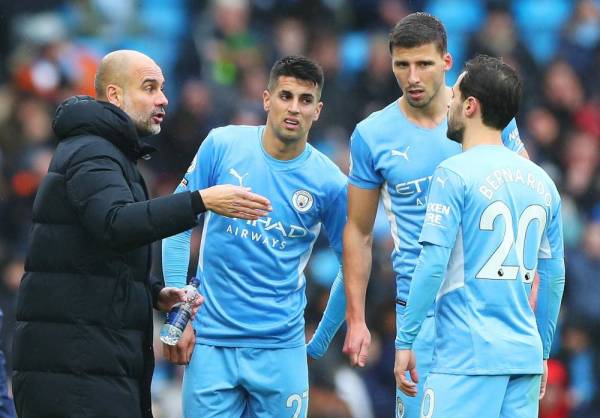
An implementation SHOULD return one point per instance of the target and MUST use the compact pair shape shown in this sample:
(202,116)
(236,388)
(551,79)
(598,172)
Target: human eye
(307,99)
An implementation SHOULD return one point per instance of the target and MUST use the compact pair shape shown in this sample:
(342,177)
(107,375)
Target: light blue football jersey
(252,272)
(390,152)
(499,213)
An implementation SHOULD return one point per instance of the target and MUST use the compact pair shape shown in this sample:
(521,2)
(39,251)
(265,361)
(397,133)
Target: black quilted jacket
(83,345)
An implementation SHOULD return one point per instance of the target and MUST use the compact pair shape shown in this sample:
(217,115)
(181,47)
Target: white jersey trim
(455,274)
(387,205)
(315,229)
(203,241)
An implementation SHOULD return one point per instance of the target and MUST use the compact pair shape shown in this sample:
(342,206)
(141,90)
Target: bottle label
(178,317)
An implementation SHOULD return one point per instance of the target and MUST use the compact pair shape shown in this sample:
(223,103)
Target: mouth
(416,94)
(291,123)
(158,117)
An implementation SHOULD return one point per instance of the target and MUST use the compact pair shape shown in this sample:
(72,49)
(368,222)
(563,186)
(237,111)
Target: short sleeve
(444,208)
(511,137)
(362,168)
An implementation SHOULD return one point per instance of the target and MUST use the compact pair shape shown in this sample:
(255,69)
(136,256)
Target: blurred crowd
(216,54)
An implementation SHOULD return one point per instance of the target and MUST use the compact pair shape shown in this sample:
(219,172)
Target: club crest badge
(302,201)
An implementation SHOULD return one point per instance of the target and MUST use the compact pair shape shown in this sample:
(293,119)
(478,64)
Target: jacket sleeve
(103,200)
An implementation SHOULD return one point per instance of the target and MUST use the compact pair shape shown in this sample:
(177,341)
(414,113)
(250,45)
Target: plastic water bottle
(179,315)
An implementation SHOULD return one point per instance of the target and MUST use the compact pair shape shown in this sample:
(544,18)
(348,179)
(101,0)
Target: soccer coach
(83,344)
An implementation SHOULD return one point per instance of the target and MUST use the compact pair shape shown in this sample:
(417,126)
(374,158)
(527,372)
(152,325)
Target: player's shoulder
(233,133)
(372,124)
(325,169)
(456,163)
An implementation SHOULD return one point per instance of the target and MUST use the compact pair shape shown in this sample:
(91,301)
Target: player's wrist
(355,318)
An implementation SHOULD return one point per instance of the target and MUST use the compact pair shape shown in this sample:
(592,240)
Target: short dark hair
(418,29)
(298,67)
(496,85)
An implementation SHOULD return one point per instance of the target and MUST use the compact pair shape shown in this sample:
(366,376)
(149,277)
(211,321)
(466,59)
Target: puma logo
(404,154)
(237,176)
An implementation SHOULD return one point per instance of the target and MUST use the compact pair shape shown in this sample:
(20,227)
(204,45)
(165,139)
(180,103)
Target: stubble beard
(455,132)
(143,122)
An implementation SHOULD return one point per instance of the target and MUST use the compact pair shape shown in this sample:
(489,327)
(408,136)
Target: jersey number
(297,400)
(495,268)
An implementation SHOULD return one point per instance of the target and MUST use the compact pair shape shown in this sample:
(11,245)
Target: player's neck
(280,150)
(481,135)
(431,115)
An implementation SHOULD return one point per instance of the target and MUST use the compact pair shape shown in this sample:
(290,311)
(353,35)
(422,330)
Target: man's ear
(471,106)
(114,95)
(266,100)
(318,111)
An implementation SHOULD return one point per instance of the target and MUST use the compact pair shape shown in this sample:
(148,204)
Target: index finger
(258,198)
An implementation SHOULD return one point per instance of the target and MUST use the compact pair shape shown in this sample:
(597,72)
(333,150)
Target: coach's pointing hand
(235,202)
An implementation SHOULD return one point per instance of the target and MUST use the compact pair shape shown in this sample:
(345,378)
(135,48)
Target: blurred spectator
(581,36)
(580,354)
(563,93)
(498,37)
(375,86)
(583,288)
(186,127)
(543,140)
(290,38)
(581,179)
(231,46)
(326,51)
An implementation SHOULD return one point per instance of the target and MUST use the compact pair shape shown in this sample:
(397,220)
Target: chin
(148,130)
(455,135)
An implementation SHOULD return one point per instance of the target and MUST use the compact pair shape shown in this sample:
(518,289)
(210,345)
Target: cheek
(399,77)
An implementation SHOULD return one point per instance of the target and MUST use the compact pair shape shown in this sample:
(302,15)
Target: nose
(413,75)
(162,100)
(294,106)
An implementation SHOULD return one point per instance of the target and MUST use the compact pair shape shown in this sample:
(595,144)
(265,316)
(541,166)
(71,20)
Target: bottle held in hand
(179,315)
